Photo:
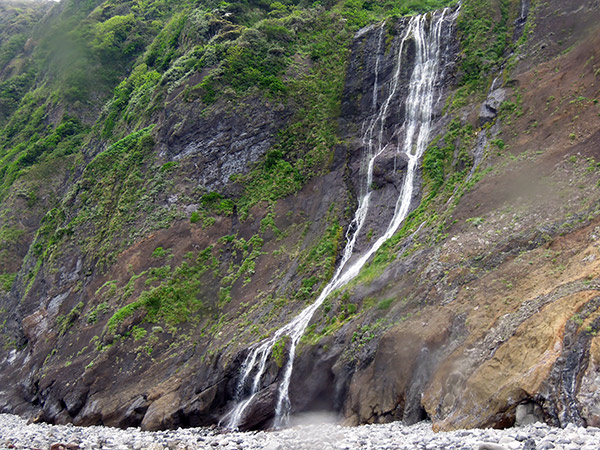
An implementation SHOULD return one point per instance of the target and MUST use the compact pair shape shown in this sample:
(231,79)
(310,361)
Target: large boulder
(491,106)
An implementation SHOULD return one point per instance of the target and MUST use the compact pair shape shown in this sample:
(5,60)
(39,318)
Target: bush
(385,304)
(159,252)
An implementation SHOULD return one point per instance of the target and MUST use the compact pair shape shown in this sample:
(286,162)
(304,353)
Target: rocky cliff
(159,220)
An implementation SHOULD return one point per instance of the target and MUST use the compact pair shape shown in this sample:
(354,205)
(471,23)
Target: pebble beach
(16,433)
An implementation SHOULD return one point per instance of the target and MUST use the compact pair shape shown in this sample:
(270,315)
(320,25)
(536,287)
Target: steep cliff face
(499,316)
(149,243)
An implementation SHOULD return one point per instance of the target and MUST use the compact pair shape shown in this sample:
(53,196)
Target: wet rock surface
(16,433)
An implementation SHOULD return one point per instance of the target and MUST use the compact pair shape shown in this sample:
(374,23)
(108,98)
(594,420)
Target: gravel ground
(16,433)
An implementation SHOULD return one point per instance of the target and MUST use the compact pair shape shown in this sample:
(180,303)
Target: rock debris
(16,433)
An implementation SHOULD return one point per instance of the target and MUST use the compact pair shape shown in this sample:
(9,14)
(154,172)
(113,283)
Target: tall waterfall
(426,32)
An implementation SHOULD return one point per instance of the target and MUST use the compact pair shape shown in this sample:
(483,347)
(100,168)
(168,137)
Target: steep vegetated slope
(177,179)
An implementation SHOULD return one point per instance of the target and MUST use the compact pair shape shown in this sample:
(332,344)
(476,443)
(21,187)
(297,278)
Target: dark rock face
(565,380)
(223,142)
(391,386)
(261,412)
(562,25)
(313,380)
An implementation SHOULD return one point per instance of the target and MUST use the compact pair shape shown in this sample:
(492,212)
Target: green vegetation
(359,13)
(60,74)
(63,323)
(485,29)
(17,22)
(174,297)
(34,143)
(278,352)
(195,217)
(107,200)
(138,333)
(499,143)
(475,221)
(386,303)
(96,313)
(436,165)
(159,252)
(9,235)
(366,333)
(484,38)
(6,281)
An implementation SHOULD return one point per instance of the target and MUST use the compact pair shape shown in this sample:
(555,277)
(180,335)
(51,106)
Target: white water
(523,10)
(416,129)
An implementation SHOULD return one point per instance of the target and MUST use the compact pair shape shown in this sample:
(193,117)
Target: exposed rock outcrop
(491,107)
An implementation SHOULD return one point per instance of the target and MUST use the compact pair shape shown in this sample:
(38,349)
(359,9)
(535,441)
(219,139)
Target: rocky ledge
(16,433)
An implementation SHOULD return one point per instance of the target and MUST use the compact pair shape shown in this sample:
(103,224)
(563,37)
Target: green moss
(436,163)
(10,235)
(159,252)
(63,323)
(278,351)
(96,313)
(138,333)
(268,223)
(6,281)
(499,143)
(121,314)
(386,303)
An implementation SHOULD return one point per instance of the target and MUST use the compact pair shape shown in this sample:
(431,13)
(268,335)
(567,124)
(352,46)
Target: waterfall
(524,10)
(426,32)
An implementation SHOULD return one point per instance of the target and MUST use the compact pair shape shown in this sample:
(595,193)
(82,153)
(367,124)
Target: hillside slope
(178,180)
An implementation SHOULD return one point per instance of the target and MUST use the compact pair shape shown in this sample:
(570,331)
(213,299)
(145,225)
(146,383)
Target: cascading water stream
(524,10)
(416,129)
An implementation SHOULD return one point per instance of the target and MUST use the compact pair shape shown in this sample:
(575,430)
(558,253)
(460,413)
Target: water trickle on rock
(426,32)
